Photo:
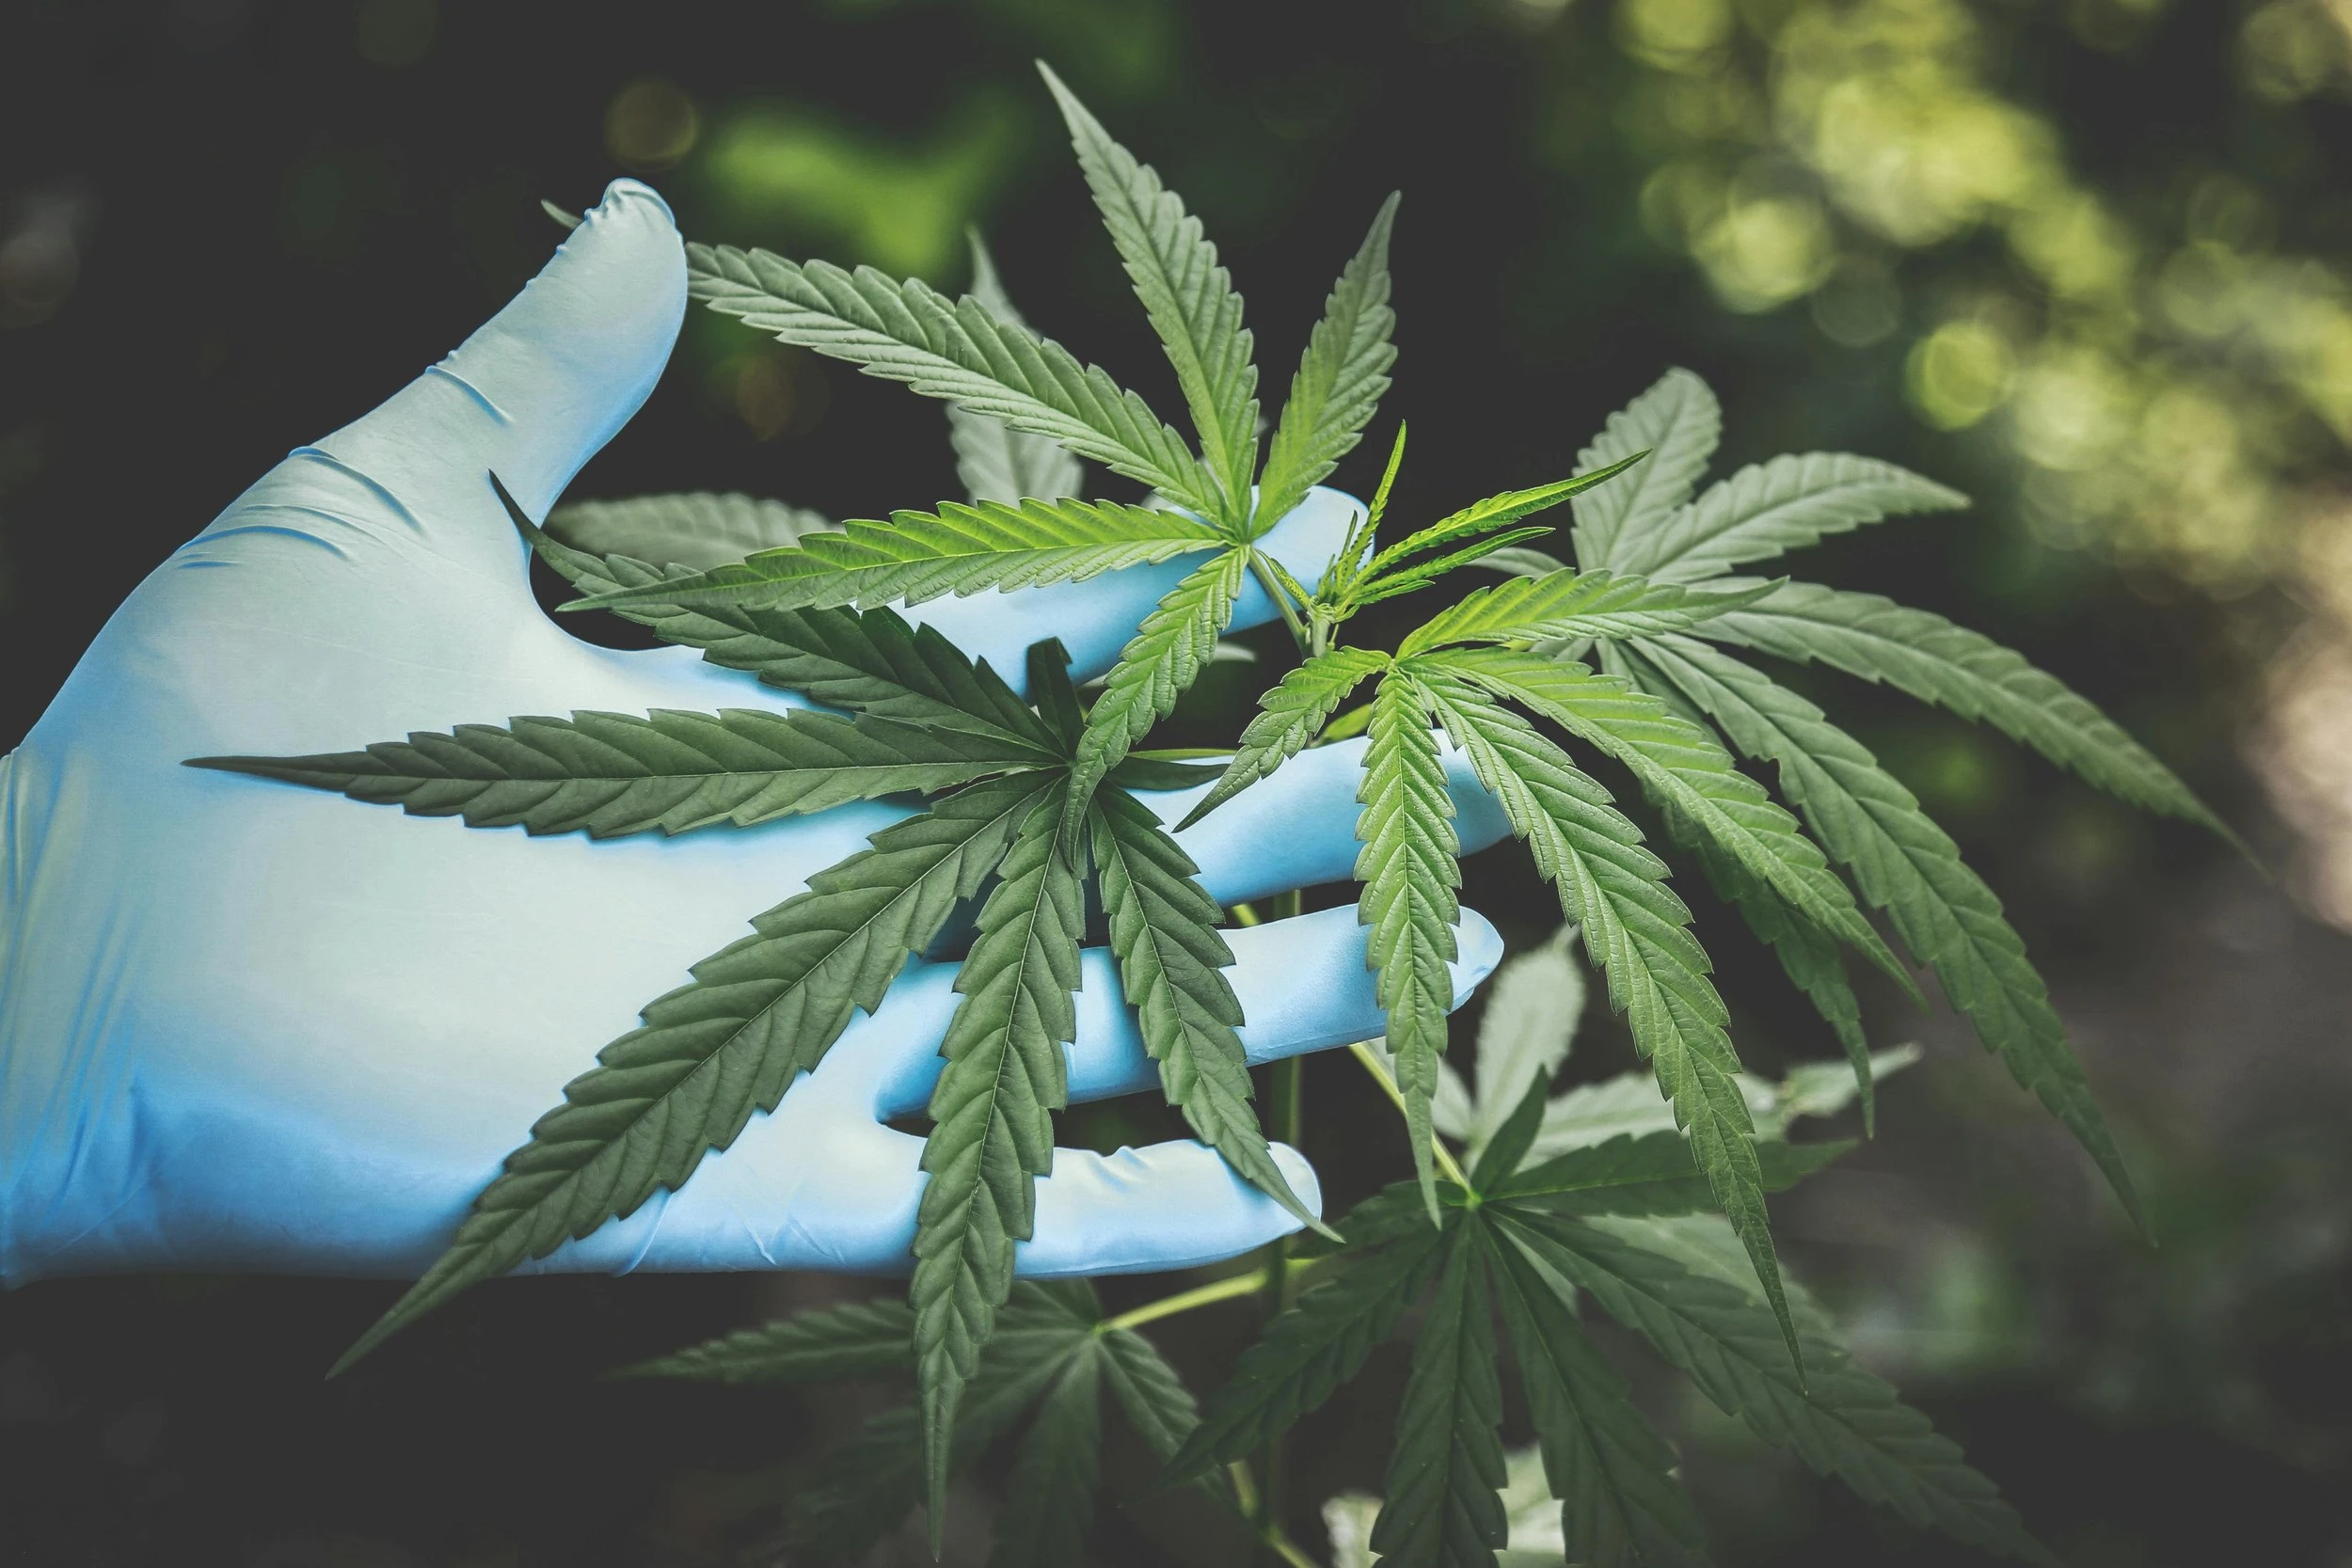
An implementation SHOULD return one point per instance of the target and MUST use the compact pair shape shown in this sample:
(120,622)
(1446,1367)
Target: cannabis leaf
(996,462)
(921,555)
(993,1114)
(698,529)
(1840,1420)
(1171,964)
(614,773)
(1309,1349)
(1906,864)
(1930,659)
(905,332)
(1677,421)
(1189,298)
(711,1053)
(1407,868)
(1154,670)
(1289,717)
(1620,1506)
(1567,604)
(1769,508)
(861,1338)
(1049,1497)
(1341,377)
(1446,1467)
(1637,932)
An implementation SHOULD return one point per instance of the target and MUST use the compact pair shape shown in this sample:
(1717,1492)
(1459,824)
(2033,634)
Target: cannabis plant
(1032,831)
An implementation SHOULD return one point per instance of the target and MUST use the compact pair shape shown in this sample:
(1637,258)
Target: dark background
(228,227)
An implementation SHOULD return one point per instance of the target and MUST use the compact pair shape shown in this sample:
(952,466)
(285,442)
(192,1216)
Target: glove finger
(1303,985)
(1297,829)
(1167,1205)
(1164,1206)
(535,392)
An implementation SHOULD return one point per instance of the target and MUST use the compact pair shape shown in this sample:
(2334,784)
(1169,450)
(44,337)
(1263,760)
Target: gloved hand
(245,1025)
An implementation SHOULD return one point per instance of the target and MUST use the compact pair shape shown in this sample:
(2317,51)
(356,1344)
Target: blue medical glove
(249,1027)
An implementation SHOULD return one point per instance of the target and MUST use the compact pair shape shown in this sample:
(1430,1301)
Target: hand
(249,1027)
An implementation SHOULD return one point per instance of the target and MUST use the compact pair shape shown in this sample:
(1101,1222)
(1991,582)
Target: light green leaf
(1171,964)
(1318,1343)
(1445,1469)
(1484,517)
(922,555)
(905,332)
(996,461)
(1679,764)
(1408,867)
(711,1053)
(1620,1506)
(1677,421)
(1653,1173)
(1839,1418)
(1189,298)
(1341,379)
(1929,658)
(1534,1004)
(1629,1104)
(614,773)
(1637,931)
(1288,718)
(696,529)
(1521,562)
(1155,668)
(860,1338)
(1907,866)
(1572,604)
(1049,1497)
(1769,508)
(992,1132)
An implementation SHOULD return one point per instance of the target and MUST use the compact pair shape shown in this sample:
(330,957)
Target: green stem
(1286,1112)
(1379,1072)
(1284,1547)
(1275,591)
(1184,1301)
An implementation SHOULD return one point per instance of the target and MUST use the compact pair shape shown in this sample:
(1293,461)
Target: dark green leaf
(1907,866)
(1153,1399)
(1840,1419)
(993,1113)
(1310,1349)
(1049,1497)
(611,774)
(1637,932)
(863,1338)
(1446,1469)
(1927,657)
(1620,1506)
(1050,687)
(1172,963)
(711,1053)
(1408,867)
(1512,1139)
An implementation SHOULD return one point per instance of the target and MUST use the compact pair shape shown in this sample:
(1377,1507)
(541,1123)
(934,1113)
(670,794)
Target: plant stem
(1232,1287)
(1379,1072)
(1273,587)
(1286,1117)
(1281,1546)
